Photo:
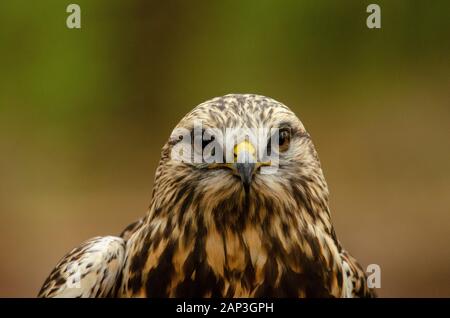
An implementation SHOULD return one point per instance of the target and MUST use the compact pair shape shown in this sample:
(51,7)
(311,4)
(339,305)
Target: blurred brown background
(84,113)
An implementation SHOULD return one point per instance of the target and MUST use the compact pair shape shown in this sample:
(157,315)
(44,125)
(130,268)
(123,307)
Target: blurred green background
(84,113)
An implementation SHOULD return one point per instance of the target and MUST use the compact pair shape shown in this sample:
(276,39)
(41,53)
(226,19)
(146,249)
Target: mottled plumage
(208,233)
(90,270)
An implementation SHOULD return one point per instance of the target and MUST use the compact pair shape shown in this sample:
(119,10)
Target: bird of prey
(224,229)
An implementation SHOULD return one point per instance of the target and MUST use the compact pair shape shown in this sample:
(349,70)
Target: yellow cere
(244,146)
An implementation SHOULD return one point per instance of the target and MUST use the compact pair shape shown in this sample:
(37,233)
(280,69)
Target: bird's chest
(211,266)
(224,265)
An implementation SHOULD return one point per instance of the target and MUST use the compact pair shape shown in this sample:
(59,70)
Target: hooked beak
(245,162)
(244,165)
(245,171)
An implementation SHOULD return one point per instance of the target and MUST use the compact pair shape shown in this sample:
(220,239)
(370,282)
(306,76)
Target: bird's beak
(245,171)
(245,163)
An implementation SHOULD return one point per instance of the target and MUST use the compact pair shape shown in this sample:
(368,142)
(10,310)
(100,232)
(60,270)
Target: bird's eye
(200,145)
(284,139)
(198,137)
(206,143)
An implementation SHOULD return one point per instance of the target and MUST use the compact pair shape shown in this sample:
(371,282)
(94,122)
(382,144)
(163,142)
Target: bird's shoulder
(89,270)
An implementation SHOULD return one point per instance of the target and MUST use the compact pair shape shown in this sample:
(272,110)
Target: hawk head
(247,159)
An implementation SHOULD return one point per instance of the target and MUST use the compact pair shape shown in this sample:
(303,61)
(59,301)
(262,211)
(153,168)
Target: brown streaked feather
(90,270)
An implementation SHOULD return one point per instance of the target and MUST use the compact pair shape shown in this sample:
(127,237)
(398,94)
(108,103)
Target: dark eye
(206,142)
(196,138)
(284,139)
